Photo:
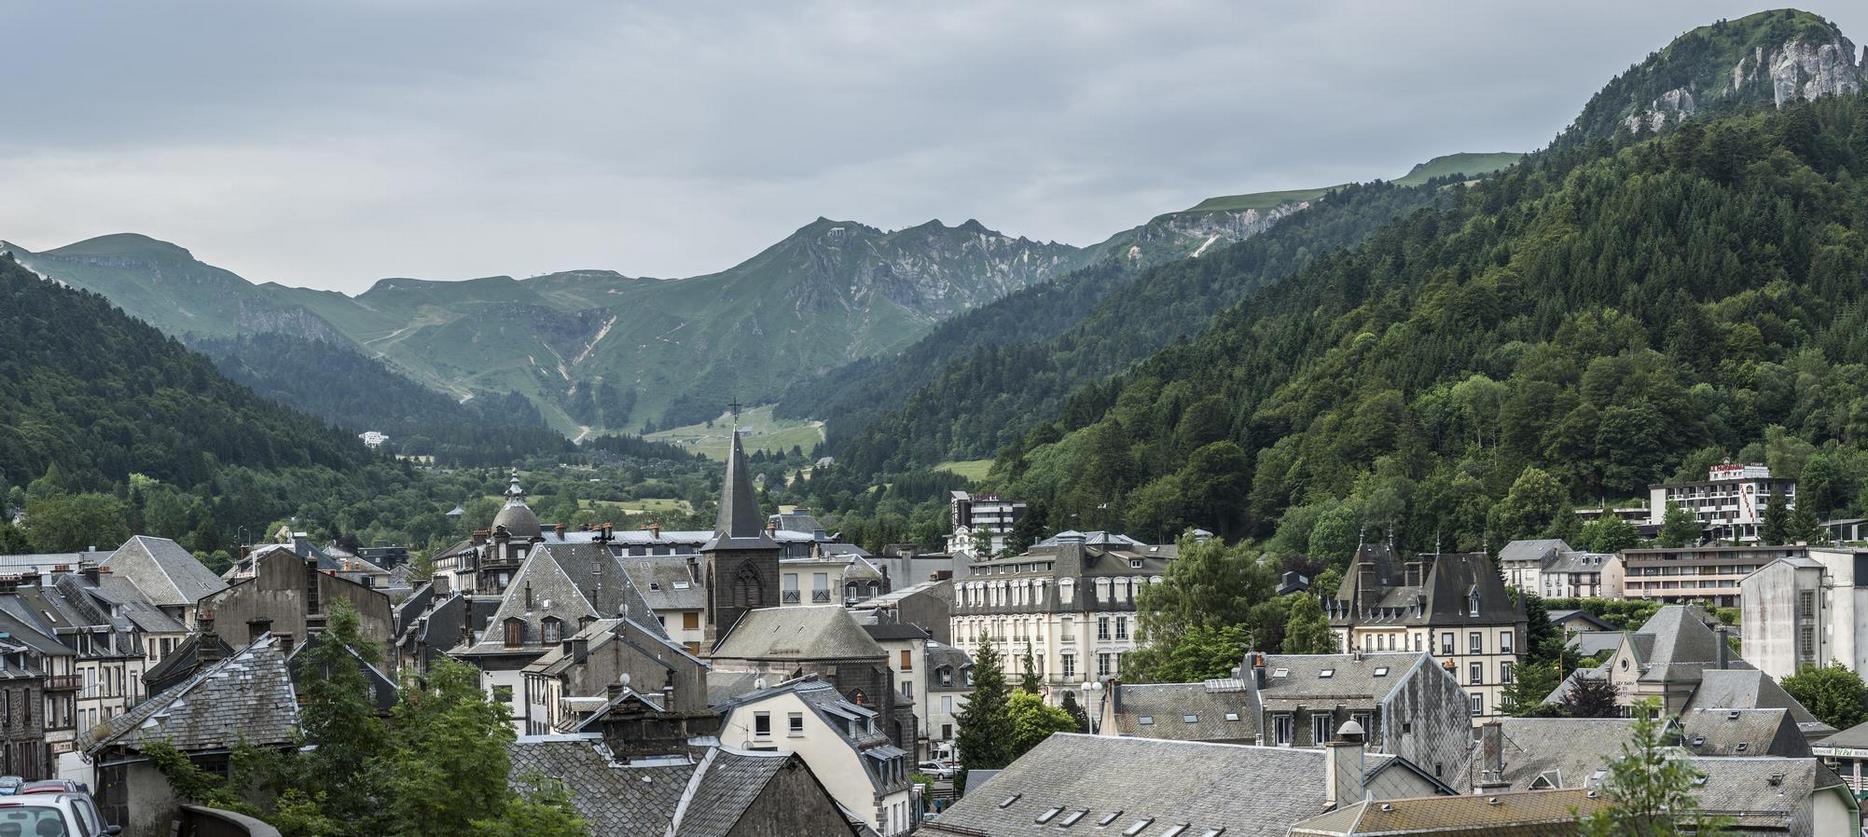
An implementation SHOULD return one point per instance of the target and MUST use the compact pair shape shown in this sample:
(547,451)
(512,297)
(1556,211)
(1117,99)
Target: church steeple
(739,524)
(742,560)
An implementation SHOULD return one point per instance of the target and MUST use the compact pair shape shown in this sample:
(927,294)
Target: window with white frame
(1102,627)
(1505,642)
(1320,727)
(1478,703)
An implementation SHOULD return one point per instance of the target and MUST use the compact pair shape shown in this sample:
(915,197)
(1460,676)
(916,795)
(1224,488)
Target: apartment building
(977,515)
(1806,609)
(1708,575)
(1070,599)
(1729,503)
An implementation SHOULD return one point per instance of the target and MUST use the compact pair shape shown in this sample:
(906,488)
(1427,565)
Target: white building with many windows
(980,516)
(1730,503)
(1070,599)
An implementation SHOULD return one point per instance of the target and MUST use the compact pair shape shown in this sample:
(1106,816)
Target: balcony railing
(791,597)
(64,682)
(820,597)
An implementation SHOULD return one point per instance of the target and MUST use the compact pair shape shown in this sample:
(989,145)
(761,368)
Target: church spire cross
(733,407)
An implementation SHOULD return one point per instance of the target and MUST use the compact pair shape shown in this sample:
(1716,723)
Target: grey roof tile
(818,632)
(246,697)
(168,574)
(1219,711)
(617,800)
(1248,791)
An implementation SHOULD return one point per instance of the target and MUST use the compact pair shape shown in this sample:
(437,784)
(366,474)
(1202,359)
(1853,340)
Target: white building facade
(1729,504)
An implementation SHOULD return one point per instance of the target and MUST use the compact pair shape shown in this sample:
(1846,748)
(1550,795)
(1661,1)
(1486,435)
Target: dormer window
(515,632)
(551,630)
(1472,600)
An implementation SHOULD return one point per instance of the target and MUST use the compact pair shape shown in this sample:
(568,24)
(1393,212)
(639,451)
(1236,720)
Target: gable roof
(166,573)
(816,632)
(1529,814)
(1362,677)
(1764,792)
(1680,644)
(618,799)
(726,784)
(569,582)
(1248,791)
(1742,732)
(1548,753)
(1539,551)
(383,689)
(1221,710)
(1748,688)
(665,582)
(247,697)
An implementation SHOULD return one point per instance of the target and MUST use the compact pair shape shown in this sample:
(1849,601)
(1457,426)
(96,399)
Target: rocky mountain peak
(1775,58)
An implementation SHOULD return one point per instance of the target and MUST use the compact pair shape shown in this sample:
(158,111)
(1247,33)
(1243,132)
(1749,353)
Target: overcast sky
(331,144)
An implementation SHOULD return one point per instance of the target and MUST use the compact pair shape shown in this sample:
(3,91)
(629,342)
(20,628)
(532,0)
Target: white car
(52,815)
(936,769)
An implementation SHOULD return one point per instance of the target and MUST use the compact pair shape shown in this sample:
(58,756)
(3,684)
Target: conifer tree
(984,734)
(1028,683)
(1774,524)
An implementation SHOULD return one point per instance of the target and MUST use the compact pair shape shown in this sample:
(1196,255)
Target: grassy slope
(1466,162)
(764,433)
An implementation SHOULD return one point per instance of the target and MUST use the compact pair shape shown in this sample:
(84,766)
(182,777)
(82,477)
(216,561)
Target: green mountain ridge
(670,350)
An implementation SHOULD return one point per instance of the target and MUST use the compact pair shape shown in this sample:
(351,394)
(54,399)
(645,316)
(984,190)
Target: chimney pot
(1343,760)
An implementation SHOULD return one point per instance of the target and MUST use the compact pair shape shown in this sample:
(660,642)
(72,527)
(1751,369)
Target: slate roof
(617,800)
(1549,753)
(1443,594)
(246,697)
(894,631)
(1539,552)
(568,582)
(1748,688)
(600,634)
(854,724)
(1679,645)
(724,786)
(1763,792)
(1742,732)
(1855,737)
(818,632)
(166,573)
(1248,791)
(1533,814)
(1361,678)
(127,601)
(1574,561)
(1592,643)
(725,686)
(1221,711)
(739,524)
(665,582)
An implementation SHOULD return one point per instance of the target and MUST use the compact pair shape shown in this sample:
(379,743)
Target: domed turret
(517,517)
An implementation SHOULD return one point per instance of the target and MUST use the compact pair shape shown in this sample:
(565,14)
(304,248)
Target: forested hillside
(105,395)
(1599,317)
(341,386)
(997,376)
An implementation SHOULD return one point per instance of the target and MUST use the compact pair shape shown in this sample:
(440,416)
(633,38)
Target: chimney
(88,569)
(207,645)
(1342,762)
(1725,650)
(479,536)
(257,627)
(655,530)
(559,529)
(771,527)
(1492,758)
(1258,669)
(668,693)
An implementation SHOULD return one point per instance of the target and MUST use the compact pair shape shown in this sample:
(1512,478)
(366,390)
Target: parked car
(78,802)
(10,785)
(936,769)
(51,815)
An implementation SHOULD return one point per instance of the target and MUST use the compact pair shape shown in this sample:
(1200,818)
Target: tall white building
(1730,503)
(973,514)
(1806,610)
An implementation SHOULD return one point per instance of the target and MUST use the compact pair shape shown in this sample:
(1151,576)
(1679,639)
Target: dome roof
(519,521)
(517,517)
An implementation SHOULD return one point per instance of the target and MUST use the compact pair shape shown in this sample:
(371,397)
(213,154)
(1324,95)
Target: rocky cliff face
(1775,58)
(931,271)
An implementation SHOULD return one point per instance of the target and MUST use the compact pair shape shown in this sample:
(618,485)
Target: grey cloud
(331,144)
